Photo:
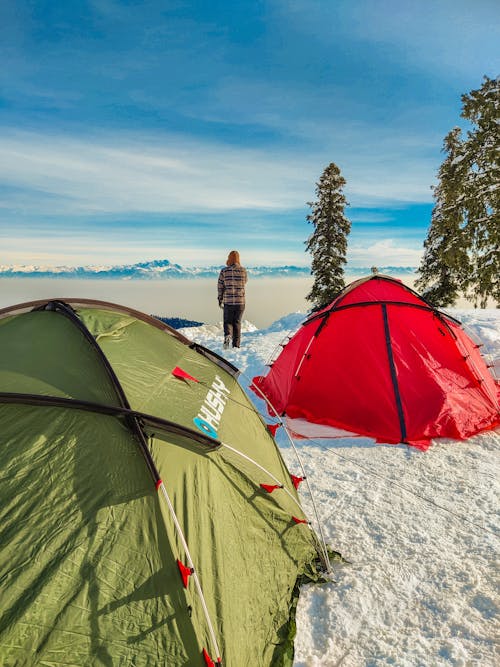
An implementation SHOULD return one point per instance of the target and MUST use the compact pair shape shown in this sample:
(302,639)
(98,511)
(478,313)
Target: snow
(418,532)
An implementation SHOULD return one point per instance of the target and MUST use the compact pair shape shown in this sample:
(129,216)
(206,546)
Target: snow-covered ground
(419,532)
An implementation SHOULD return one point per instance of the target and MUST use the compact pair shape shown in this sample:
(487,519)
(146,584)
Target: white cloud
(384,253)
(64,188)
(67,175)
(453,35)
(83,251)
(454,38)
(114,249)
(123,174)
(367,216)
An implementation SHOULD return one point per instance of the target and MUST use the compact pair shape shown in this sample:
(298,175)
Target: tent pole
(199,590)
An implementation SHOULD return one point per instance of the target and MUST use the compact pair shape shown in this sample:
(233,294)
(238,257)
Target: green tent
(146,514)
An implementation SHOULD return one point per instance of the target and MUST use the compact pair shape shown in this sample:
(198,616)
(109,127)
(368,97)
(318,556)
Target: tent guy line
(259,392)
(180,373)
(400,486)
(346,458)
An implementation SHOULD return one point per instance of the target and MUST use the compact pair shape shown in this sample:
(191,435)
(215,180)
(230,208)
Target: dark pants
(232,324)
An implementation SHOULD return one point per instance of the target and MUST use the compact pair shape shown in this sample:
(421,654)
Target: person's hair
(233,258)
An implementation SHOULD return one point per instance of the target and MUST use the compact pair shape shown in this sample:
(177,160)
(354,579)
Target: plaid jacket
(231,285)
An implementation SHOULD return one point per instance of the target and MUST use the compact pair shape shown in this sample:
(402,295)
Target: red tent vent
(182,375)
(272,428)
(295,519)
(208,660)
(186,572)
(296,480)
(270,487)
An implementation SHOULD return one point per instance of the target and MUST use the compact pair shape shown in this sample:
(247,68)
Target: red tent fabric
(381,362)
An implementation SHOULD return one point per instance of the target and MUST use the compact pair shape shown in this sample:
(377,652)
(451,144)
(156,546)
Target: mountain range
(163,269)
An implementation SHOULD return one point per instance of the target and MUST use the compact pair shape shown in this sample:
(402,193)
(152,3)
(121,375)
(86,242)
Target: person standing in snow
(231,295)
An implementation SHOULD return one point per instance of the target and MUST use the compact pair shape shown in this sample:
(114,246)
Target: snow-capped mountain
(163,268)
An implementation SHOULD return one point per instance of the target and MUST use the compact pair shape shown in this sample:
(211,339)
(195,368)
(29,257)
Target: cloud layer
(133,131)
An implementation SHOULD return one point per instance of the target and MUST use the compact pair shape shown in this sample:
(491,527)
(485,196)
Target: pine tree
(482,192)
(328,241)
(462,247)
(446,263)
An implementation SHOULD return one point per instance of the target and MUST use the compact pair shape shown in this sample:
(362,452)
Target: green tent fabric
(130,457)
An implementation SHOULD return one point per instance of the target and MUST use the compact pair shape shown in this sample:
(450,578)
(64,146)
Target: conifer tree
(328,241)
(446,262)
(462,247)
(482,190)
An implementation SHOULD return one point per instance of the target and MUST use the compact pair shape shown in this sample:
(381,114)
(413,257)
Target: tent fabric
(89,548)
(381,362)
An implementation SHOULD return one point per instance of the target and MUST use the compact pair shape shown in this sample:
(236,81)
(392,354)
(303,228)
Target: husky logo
(209,416)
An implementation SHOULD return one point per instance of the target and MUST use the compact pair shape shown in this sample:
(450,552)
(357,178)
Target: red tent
(381,362)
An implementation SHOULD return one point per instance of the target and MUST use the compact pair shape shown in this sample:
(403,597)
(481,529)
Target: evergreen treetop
(328,241)
(462,248)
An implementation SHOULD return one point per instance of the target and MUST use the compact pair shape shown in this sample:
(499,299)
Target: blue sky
(132,131)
